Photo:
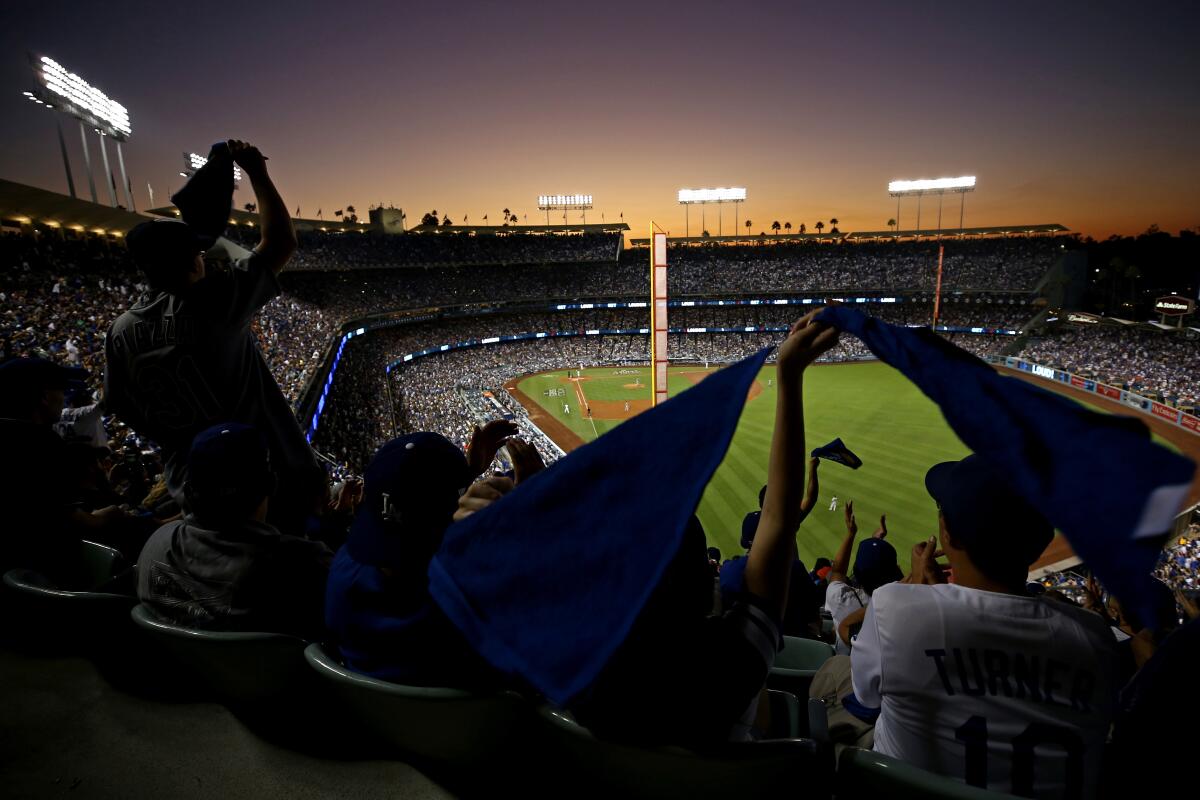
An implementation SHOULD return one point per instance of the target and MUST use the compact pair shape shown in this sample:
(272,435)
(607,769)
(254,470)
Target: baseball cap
(410,491)
(229,459)
(24,374)
(978,504)
(163,242)
(749,528)
(876,563)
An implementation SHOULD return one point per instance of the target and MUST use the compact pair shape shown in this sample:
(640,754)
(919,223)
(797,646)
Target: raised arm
(841,561)
(769,565)
(278,236)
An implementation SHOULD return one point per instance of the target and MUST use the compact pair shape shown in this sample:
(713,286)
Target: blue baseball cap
(159,243)
(229,458)
(749,528)
(876,563)
(979,505)
(35,373)
(410,491)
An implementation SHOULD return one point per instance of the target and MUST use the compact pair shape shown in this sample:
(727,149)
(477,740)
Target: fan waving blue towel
(836,451)
(547,582)
(1096,477)
(206,199)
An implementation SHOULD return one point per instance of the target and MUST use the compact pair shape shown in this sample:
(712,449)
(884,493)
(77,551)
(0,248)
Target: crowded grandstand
(375,339)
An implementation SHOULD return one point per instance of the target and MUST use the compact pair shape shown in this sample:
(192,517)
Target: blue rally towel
(836,451)
(547,582)
(205,201)
(1096,477)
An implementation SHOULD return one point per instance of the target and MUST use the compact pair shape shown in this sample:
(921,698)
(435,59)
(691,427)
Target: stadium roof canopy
(758,238)
(239,217)
(27,205)
(1001,230)
(504,230)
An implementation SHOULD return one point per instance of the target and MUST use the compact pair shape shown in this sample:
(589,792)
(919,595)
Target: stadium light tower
(65,91)
(194,161)
(938,186)
(702,197)
(564,203)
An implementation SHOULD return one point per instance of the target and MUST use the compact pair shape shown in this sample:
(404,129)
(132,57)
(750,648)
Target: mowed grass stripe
(880,415)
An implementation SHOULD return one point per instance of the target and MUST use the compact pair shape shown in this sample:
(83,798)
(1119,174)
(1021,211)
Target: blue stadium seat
(448,727)
(863,774)
(582,765)
(241,667)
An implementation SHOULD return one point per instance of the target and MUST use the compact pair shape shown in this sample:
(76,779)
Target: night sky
(1079,113)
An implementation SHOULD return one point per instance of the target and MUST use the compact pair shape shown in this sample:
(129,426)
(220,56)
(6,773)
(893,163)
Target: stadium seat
(818,720)
(447,727)
(867,774)
(583,765)
(97,564)
(241,667)
(797,663)
(74,609)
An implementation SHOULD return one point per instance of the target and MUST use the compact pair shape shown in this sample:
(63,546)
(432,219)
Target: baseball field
(880,415)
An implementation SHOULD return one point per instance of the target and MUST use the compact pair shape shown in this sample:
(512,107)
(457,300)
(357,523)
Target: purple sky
(1080,113)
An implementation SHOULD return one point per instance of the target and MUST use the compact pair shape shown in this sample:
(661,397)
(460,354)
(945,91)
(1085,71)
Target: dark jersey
(177,364)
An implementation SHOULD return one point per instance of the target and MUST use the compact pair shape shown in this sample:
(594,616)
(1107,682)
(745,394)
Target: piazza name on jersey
(976,672)
(153,334)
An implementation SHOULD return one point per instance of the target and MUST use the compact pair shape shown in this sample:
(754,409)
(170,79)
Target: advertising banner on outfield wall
(1166,412)
(1126,398)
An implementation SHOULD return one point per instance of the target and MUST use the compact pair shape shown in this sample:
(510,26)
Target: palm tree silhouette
(748,224)
(833,221)
(891,223)
(803,228)
(787,226)
(820,226)
(775,226)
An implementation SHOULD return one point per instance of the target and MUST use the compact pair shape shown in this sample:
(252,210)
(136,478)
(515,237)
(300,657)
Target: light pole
(70,94)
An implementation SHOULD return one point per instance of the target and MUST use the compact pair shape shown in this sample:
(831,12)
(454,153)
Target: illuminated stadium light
(73,94)
(564,203)
(937,186)
(719,195)
(194,161)
(931,186)
(554,202)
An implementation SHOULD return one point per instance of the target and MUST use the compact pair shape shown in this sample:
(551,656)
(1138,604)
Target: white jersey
(1014,693)
(842,600)
(82,424)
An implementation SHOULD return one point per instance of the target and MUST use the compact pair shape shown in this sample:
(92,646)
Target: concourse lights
(719,195)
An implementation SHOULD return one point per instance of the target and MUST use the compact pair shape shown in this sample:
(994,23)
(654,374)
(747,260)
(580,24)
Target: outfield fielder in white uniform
(977,680)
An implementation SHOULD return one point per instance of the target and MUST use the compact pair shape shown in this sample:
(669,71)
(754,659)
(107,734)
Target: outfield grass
(879,414)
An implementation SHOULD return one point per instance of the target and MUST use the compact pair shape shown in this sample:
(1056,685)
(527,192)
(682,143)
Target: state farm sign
(1174,305)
